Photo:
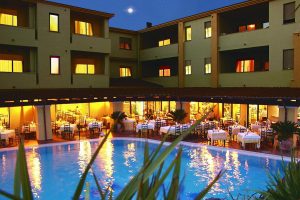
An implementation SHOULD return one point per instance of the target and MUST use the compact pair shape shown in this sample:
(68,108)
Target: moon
(130,10)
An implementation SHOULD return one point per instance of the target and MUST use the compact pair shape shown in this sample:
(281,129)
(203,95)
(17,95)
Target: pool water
(55,170)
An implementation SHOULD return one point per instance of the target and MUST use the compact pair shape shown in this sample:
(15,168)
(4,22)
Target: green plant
(285,130)
(145,185)
(118,116)
(284,185)
(178,115)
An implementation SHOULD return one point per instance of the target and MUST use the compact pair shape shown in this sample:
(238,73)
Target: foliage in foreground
(285,185)
(147,184)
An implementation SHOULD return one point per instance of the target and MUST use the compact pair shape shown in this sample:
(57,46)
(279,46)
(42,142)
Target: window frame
(163,68)
(12,66)
(58,30)
(87,69)
(243,61)
(13,14)
(125,38)
(125,67)
(188,63)
(86,28)
(205,28)
(205,63)
(186,35)
(58,65)
(283,67)
(289,21)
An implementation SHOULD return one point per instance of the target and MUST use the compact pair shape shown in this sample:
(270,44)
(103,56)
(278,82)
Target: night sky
(133,14)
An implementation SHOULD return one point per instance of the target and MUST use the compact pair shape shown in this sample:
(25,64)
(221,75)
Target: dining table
(216,134)
(95,124)
(129,124)
(249,137)
(7,133)
(73,127)
(31,126)
(171,129)
(151,126)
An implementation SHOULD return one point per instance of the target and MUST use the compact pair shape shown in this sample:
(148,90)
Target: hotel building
(55,58)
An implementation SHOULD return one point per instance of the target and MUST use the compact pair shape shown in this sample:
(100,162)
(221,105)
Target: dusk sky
(133,14)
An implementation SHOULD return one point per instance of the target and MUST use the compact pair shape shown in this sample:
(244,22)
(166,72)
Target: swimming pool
(55,169)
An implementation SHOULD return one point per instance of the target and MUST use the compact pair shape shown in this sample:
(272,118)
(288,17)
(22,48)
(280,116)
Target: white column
(43,119)
(292,113)
(186,106)
(117,106)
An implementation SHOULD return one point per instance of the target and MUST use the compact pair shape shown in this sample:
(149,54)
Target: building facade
(244,57)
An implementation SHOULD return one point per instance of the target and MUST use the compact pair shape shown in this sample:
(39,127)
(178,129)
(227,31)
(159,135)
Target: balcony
(90,44)
(171,81)
(17,80)
(257,79)
(90,81)
(16,35)
(157,53)
(248,39)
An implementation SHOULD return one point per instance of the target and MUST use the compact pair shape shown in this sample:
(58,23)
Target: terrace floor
(265,148)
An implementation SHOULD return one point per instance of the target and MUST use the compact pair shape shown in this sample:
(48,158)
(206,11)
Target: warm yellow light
(188,33)
(85,69)
(53,20)
(188,69)
(83,28)
(11,66)
(7,19)
(125,72)
(167,42)
(54,65)
(208,68)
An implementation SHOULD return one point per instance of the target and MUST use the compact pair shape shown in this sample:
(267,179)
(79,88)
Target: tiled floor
(265,148)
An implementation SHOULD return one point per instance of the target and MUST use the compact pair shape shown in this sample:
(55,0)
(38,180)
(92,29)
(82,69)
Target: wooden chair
(67,133)
(177,131)
(158,124)
(17,139)
(2,142)
(144,130)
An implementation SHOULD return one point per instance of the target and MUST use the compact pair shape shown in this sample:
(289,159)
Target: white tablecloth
(169,129)
(248,137)
(151,126)
(269,130)
(236,129)
(73,127)
(216,135)
(99,124)
(128,124)
(5,134)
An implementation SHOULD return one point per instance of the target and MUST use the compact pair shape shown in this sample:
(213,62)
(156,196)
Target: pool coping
(190,144)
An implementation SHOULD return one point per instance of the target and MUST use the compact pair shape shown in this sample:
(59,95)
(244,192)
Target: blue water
(54,171)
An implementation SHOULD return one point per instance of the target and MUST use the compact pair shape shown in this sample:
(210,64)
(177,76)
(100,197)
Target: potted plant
(118,117)
(178,115)
(285,131)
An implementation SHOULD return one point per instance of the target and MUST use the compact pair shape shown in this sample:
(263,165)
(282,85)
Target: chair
(2,142)
(158,124)
(144,129)
(67,133)
(177,131)
(17,139)
(185,128)
(26,132)
(199,130)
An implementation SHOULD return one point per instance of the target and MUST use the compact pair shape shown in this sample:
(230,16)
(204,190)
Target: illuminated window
(207,65)
(125,43)
(54,65)
(164,42)
(289,13)
(53,23)
(207,26)
(164,71)
(188,33)
(85,69)
(83,28)
(11,65)
(288,59)
(9,19)
(188,67)
(249,27)
(245,66)
(125,71)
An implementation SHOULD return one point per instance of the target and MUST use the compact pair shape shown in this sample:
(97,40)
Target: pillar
(117,106)
(296,42)
(292,113)
(43,120)
(214,51)
(181,73)
(243,115)
(186,107)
